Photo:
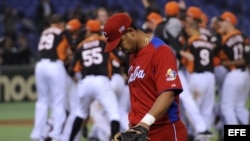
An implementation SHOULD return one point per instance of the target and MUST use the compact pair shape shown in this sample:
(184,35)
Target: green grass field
(16,111)
(23,111)
(19,111)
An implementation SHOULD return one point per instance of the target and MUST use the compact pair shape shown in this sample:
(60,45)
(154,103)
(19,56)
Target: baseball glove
(137,133)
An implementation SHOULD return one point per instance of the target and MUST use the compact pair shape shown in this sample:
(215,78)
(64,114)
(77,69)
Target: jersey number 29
(46,42)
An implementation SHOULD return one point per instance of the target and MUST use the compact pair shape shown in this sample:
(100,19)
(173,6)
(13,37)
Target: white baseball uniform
(202,79)
(191,109)
(235,88)
(71,104)
(95,84)
(50,77)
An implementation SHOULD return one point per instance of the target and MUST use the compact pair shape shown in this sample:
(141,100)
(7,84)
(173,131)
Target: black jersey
(90,58)
(233,48)
(117,60)
(205,33)
(53,44)
(202,51)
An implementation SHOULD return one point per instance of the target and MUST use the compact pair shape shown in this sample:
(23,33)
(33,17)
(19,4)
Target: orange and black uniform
(51,79)
(53,44)
(247,49)
(202,51)
(117,59)
(205,33)
(90,58)
(233,48)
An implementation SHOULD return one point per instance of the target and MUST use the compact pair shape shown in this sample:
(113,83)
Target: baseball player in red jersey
(50,76)
(235,88)
(153,80)
(92,62)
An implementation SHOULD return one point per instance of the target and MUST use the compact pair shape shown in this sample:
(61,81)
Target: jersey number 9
(204,55)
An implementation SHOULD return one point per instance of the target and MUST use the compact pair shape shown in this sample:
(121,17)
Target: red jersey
(152,71)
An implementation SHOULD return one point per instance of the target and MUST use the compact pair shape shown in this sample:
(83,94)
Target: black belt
(241,69)
(52,60)
(202,71)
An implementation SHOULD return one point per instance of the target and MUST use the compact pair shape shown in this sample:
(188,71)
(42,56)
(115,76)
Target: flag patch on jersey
(170,75)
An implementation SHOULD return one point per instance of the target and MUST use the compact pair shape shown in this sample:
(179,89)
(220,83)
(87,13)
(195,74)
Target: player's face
(223,26)
(128,42)
(189,19)
(187,29)
(102,16)
(214,25)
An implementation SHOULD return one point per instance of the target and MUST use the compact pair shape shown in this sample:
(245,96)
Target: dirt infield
(25,122)
(21,122)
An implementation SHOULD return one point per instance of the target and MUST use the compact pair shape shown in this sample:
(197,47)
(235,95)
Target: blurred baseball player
(95,84)
(119,86)
(171,28)
(235,88)
(195,14)
(51,76)
(100,127)
(219,71)
(151,23)
(71,97)
(71,100)
(200,67)
(102,15)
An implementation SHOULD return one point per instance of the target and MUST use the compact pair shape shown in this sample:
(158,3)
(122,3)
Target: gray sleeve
(174,27)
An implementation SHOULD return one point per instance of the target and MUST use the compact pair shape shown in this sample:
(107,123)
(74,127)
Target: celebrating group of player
(76,80)
(74,74)
(213,66)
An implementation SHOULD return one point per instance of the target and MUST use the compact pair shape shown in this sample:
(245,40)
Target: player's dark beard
(129,51)
(126,51)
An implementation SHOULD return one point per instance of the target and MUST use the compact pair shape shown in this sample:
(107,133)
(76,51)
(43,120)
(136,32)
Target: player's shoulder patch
(171,75)
(156,42)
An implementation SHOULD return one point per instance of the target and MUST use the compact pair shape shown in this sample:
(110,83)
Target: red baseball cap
(114,28)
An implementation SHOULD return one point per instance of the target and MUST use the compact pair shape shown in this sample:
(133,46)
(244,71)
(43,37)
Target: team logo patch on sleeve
(170,75)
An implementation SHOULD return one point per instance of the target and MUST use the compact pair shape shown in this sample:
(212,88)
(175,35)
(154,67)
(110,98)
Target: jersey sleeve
(75,65)
(166,73)
(62,48)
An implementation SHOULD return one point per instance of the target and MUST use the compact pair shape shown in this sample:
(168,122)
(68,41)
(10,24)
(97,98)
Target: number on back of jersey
(92,56)
(205,57)
(46,42)
(238,50)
